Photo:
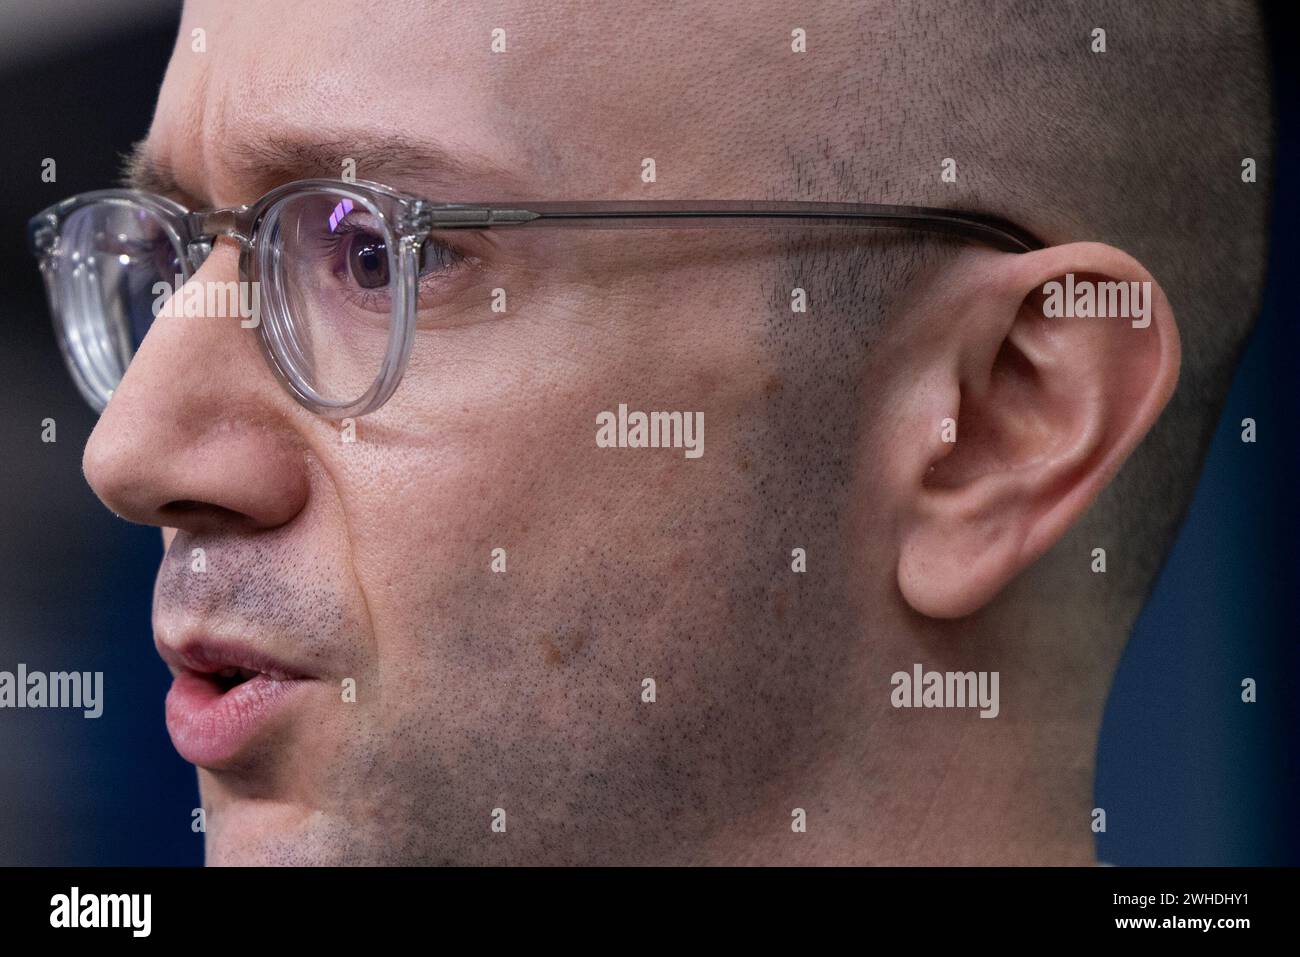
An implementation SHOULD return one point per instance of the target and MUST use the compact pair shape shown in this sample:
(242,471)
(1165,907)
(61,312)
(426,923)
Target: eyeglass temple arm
(991,230)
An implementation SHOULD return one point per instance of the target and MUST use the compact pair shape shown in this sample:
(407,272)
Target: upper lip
(208,655)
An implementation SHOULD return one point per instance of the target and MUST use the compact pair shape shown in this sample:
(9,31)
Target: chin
(245,831)
(252,832)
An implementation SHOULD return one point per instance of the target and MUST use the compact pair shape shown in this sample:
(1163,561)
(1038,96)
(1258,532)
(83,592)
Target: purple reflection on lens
(340,211)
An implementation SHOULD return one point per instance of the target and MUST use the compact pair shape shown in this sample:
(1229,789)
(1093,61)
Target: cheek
(579,528)
(609,554)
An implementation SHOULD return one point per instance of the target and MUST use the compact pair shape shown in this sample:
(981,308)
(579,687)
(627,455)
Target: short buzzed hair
(1142,147)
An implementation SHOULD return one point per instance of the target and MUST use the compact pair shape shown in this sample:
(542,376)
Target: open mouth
(228,678)
(224,698)
(222,679)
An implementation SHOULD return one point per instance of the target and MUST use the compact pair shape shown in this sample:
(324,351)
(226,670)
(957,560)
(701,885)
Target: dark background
(1186,772)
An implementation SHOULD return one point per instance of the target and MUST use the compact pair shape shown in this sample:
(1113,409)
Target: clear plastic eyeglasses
(338,268)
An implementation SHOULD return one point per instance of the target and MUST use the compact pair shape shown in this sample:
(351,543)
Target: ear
(1049,398)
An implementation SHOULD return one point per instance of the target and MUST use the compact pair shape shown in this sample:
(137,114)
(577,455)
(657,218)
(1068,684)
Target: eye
(364,257)
(165,259)
(367,260)
(156,251)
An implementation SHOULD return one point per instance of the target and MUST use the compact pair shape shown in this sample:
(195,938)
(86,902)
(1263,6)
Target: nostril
(188,512)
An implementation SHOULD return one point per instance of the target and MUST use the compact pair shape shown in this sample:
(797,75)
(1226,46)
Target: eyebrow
(142,170)
(261,162)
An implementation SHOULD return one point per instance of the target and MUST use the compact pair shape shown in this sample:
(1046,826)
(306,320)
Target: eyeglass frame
(411,220)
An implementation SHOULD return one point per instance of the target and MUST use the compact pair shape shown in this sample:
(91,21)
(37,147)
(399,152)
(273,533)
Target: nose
(198,434)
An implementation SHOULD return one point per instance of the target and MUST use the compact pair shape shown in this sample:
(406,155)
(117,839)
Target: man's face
(370,563)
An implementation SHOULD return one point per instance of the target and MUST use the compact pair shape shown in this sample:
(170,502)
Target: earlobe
(1062,361)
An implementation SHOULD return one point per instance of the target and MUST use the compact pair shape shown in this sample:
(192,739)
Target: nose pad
(197,252)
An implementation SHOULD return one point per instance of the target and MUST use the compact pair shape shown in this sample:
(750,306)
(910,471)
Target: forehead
(578,98)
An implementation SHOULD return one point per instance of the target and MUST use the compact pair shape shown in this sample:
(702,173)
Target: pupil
(370,264)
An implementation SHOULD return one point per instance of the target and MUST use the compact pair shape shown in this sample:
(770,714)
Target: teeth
(228,672)
(246,674)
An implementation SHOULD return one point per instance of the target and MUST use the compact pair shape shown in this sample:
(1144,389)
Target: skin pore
(523,690)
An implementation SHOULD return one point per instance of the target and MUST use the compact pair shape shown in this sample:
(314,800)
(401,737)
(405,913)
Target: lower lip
(210,726)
